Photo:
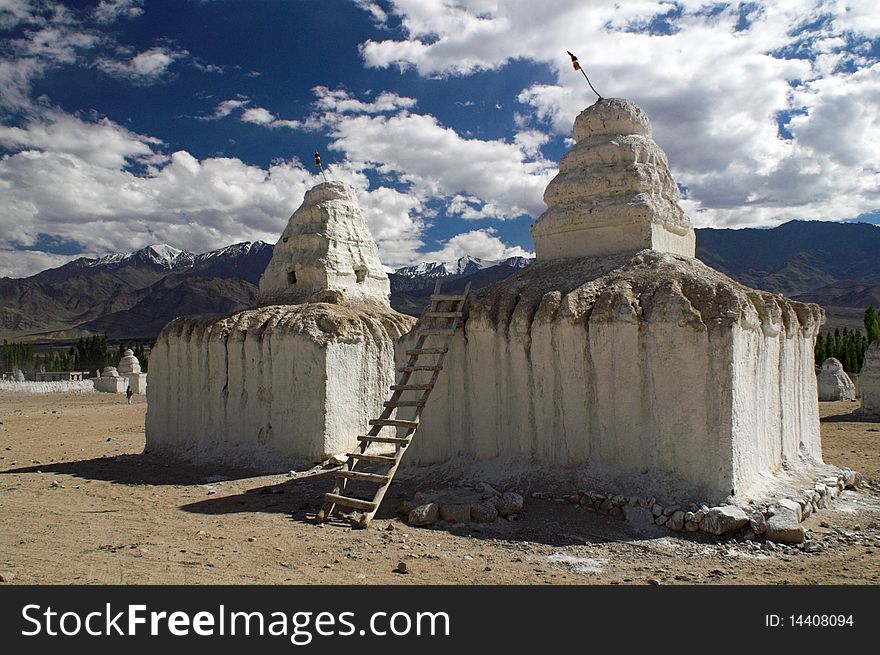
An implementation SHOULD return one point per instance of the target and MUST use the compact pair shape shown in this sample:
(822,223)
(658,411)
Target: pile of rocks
(480,503)
(779,522)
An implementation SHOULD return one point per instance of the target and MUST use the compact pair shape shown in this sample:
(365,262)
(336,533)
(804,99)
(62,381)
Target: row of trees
(16,355)
(849,346)
(89,354)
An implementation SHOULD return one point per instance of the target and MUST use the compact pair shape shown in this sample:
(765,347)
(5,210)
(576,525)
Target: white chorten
(129,364)
(614,192)
(325,253)
(130,368)
(295,380)
(110,381)
(621,360)
(869,380)
(834,383)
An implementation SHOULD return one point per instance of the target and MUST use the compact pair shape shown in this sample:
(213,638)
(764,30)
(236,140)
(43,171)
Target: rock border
(479,503)
(779,521)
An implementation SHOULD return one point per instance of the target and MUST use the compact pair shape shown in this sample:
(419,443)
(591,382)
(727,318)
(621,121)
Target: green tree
(872,324)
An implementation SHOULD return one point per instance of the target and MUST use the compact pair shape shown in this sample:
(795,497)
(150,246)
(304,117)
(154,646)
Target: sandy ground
(80,504)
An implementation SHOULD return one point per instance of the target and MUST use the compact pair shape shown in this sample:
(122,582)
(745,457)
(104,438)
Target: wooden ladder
(438,325)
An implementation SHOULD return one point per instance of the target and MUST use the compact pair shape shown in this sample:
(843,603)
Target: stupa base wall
(137,382)
(869,381)
(270,388)
(661,376)
(110,384)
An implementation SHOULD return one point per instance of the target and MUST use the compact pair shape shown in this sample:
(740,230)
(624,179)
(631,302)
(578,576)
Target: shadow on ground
(542,521)
(139,469)
(855,416)
(301,497)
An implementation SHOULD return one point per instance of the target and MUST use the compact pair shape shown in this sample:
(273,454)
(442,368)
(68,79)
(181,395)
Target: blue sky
(193,122)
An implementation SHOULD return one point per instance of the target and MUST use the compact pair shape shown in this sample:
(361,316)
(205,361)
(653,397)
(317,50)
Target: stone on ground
(426,514)
(724,520)
(785,528)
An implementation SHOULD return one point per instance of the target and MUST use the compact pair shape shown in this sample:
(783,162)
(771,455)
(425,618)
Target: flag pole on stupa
(318,164)
(577,67)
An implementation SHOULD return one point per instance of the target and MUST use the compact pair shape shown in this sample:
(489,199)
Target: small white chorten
(130,368)
(834,383)
(110,381)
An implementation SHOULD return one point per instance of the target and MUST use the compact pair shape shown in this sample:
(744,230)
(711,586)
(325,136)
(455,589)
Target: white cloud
(72,179)
(435,161)
(19,263)
(713,88)
(101,143)
(483,244)
(378,14)
(257,115)
(147,67)
(109,11)
(342,102)
(228,106)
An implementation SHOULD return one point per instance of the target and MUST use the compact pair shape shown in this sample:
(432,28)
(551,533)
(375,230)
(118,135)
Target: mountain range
(133,295)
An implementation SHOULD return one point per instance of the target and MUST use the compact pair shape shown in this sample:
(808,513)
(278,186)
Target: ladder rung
(412,387)
(365,477)
(356,503)
(367,438)
(439,333)
(378,459)
(428,351)
(443,314)
(396,422)
(440,297)
(412,369)
(404,403)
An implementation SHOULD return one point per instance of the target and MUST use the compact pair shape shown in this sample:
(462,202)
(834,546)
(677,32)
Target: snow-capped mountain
(160,254)
(174,259)
(131,294)
(462,266)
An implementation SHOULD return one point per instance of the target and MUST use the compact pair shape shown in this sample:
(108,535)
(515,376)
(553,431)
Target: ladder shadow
(300,497)
(542,521)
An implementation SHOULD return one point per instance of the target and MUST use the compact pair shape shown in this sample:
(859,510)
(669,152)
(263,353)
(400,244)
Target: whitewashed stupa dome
(614,193)
(129,364)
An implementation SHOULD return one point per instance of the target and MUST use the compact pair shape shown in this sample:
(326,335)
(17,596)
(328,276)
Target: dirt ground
(80,504)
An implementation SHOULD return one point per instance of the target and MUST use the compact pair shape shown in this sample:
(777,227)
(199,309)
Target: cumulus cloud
(109,11)
(100,143)
(715,79)
(342,102)
(144,68)
(475,178)
(74,178)
(483,244)
(436,162)
(228,106)
(257,115)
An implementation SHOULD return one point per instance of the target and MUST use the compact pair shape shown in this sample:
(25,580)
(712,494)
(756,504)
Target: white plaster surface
(834,383)
(110,383)
(869,380)
(271,387)
(653,372)
(614,192)
(138,382)
(328,247)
